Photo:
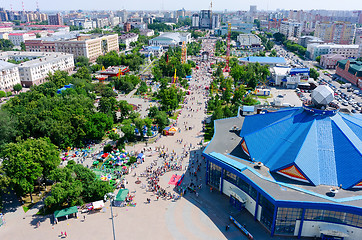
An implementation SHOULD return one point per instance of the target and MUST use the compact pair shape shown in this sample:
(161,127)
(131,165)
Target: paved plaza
(194,216)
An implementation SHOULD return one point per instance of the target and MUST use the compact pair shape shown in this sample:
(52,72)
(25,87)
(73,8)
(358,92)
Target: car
(353,111)
(344,103)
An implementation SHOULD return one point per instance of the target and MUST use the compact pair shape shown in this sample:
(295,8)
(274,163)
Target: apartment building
(9,76)
(335,32)
(290,29)
(18,38)
(90,46)
(128,38)
(348,51)
(37,66)
(55,19)
(329,61)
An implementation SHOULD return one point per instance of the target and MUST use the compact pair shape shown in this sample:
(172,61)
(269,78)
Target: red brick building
(350,70)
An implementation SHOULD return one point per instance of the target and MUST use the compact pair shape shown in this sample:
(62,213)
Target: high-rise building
(195,21)
(290,29)
(252,9)
(335,32)
(358,38)
(205,19)
(55,19)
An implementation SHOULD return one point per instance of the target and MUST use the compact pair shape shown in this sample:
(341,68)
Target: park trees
(170,98)
(26,161)
(75,185)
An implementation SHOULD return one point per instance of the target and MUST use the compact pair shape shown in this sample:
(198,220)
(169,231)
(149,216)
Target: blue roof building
(298,171)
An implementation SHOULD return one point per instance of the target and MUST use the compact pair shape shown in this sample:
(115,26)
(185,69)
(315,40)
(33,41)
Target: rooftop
(267,60)
(38,58)
(226,147)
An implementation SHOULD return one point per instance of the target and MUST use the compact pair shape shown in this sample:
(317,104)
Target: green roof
(65,212)
(355,67)
(122,194)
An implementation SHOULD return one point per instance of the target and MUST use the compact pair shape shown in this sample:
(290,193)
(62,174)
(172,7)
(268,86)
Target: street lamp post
(111,197)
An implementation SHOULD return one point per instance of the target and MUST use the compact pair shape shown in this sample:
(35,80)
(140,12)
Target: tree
(83,73)
(279,37)
(113,136)
(22,46)
(128,130)
(6,45)
(313,73)
(125,109)
(17,87)
(8,129)
(98,124)
(238,95)
(82,61)
(318,59)
(26,161)
(2,94)
(59,78)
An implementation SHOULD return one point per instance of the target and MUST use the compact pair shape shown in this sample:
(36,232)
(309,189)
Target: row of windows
(230,177)
(286,217)
(333,216)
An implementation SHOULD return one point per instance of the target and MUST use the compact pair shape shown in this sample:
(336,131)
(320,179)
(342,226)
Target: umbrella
(124,167)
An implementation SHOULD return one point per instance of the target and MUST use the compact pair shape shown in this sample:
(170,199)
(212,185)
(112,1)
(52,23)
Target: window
(267,212)
(286,219)
(214,175)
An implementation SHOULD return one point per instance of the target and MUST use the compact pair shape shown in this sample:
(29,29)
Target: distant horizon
(173,5)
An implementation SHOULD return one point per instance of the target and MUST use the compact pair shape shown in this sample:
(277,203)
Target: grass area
(175,115)
(27,204)
(209,133)
(264,97)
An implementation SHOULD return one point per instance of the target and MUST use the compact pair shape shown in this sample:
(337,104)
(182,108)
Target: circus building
(298,171)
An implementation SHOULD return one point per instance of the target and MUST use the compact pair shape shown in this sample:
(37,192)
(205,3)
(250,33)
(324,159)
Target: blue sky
(231,5)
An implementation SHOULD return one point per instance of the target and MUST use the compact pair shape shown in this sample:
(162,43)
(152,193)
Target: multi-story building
(147,32)
(358,37)
(305,40)
(248,40)
(289,77)
(62,28)
(350,70)
(84,23)
(127,27)
(314,50)
(6,28)
(329,61)
(205,19)
(18,38)
(37,66)
(90,46)
(55,19)
(128,38)
(274,24)
(335,32)
(9,76)
(101,22)
(195,21)
(171,39)
(290,29)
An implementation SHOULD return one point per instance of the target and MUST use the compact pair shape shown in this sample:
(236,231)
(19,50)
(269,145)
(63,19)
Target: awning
(121,195)
(333,230)
(65,212)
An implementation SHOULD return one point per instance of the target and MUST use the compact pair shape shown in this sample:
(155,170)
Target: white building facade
(35,70)
(9,76)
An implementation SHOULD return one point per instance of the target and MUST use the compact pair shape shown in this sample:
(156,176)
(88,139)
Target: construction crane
(227,68)
(184,53)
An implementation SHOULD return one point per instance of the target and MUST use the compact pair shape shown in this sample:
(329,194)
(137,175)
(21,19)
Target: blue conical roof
(327,150)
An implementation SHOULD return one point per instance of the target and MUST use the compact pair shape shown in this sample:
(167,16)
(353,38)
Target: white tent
(98,204)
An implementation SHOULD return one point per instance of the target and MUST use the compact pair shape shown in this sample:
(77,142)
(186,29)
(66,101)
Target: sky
(218,5)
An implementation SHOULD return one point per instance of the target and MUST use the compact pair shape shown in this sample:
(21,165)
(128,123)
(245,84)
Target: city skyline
(66,5)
